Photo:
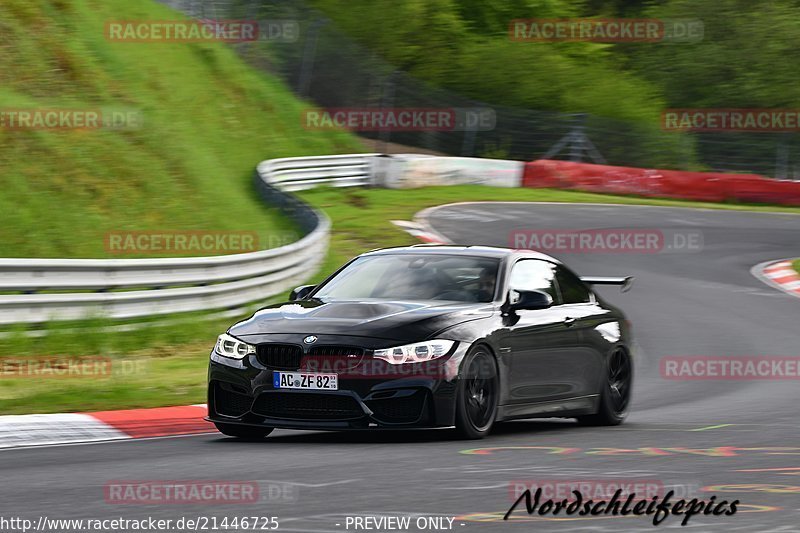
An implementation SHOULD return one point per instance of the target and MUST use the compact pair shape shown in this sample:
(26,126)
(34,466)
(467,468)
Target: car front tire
(478,393)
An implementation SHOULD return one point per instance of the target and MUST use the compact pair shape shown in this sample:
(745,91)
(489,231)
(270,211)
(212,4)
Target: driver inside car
(486,283)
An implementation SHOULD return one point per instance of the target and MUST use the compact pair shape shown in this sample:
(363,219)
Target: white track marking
(40,430)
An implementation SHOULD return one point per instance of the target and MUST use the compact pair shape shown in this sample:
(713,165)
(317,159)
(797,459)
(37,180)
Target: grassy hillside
(207,120)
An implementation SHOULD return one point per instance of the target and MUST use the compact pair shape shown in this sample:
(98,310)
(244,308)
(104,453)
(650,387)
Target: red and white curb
(779,274)
(72,428)
(421,232)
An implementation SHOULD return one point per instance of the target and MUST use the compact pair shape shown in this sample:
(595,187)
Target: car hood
(406,321)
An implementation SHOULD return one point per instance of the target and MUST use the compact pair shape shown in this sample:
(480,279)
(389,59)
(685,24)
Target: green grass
(207,119)
(139,380)
(796,265)
(158,365)
(175,357)
(162,364)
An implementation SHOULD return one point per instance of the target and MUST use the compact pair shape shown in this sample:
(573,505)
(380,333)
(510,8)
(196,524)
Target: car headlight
(414,353)
(233,348)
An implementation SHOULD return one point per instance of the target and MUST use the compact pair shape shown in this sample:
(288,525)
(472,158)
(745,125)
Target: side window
(573,290)
(534,275)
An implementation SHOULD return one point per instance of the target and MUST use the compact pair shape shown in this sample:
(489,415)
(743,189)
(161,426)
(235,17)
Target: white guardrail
(299,173)
(129,288)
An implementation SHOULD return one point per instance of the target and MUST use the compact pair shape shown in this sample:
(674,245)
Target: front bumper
(243,392)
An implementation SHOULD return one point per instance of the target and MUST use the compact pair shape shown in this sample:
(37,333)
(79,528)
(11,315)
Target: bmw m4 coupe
(427,336)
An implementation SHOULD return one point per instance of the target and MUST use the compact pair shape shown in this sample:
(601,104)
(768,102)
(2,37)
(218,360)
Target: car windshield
(414,277)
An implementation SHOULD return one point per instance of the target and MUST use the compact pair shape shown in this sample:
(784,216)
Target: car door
(543,342)
(582,314)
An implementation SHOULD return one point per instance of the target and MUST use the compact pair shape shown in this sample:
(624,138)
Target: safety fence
(699,186)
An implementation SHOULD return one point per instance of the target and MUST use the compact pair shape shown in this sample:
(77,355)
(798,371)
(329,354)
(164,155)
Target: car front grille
(280,356)
(332,358)
(307,406)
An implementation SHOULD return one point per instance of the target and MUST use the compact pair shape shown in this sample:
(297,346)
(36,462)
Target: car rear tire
(616,393)
(243,432)
(477,396)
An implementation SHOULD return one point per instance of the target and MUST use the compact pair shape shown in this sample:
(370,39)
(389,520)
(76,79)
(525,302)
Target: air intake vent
(230,403)
(303,406)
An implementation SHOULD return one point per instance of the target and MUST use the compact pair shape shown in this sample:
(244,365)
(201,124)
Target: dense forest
(748,56)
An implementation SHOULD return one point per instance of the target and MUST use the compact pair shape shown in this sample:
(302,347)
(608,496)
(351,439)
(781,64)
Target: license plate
(304,380)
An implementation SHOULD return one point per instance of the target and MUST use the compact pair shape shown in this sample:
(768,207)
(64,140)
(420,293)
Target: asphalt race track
(733,439)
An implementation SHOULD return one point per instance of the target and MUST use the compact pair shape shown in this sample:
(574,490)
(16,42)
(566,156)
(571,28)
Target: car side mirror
(528,300)
(299,293)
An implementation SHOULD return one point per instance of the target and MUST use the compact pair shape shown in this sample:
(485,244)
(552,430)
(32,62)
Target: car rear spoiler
(624,283)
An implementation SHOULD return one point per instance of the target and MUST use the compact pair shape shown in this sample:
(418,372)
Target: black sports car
(427,336)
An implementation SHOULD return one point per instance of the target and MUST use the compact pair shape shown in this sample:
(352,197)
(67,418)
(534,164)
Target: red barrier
(702,186)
